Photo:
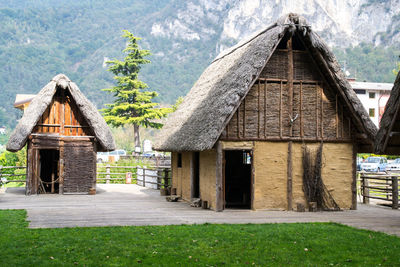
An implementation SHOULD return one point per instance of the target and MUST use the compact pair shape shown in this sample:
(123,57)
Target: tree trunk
(137,136)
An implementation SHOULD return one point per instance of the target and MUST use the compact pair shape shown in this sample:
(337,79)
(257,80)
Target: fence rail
(159,177)
(384,187)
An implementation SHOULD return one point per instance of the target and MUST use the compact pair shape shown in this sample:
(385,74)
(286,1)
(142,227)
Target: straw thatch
(44,98)
(388,120)
(200,119)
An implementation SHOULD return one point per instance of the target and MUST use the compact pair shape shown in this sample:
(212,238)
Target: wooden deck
(134,205)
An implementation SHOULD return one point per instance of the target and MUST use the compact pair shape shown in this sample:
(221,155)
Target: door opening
(238,179)
(48,176)
(196,175)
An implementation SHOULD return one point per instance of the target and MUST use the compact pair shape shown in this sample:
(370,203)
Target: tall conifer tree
(133,104)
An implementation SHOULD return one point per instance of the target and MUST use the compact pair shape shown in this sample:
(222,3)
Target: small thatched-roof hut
(388,137)
(63,131)
(237,137)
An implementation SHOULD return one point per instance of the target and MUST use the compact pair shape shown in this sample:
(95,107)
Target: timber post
(218,185)
(108,174)
(166,181)
(354,180)
(291,117)
(365,185)
(395,193)
(144,176)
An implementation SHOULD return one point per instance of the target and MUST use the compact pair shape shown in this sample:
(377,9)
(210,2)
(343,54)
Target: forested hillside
(40,38)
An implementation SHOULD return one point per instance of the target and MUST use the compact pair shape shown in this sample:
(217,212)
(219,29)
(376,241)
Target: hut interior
(238,177)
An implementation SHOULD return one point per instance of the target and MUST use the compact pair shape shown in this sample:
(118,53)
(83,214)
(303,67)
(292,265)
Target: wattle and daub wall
(291,101)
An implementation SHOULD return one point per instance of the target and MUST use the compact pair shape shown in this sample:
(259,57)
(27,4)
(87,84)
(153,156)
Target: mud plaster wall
(270,171)
(207,177)
(181,176)
(337,172)
(270,181)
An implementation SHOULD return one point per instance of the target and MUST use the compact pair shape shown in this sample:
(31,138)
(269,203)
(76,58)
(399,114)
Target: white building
(373,96)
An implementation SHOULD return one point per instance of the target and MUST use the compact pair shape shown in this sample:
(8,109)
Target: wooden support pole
(244,118)
(219,206)
(321,94)
(289,177)
(301,110)
(265,109)
(337,116)
(395,193)
(238,122)
(290,83)
(280,110)
(365,194)
(52,182)
(61,174)
(341,121)
(144,177)
(258,109)
(108,174)
(291,116)
(316,110)
(354,180)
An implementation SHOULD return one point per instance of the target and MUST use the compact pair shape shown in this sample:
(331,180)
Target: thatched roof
(388,120)
(200,119)
(44,98)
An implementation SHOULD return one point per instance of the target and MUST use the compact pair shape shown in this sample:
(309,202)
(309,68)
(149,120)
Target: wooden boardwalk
(134,205)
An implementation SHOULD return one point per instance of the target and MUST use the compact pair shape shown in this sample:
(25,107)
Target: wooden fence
(384,187)
(159,177)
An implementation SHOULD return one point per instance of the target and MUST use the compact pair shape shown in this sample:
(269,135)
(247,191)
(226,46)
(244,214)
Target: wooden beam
(290,109)
(290,83)
(253,177)
(62,122)
(316,110)
(354,180)
(265,110)
(61,169)
(258,109)
(238,123)
(219,206)
(280,110)
(244,118)
(337,116)
(301,110)
(294,138)
(342,121)
(289,177)
(394,134)
(322,109)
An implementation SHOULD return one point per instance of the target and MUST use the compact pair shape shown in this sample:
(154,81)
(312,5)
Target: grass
(300,244)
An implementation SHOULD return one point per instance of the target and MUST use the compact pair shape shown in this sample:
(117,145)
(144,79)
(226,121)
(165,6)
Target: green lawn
(301,244)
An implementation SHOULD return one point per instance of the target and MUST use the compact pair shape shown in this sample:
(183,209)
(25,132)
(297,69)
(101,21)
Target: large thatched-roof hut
(238,138)
(63,131)
(388,137)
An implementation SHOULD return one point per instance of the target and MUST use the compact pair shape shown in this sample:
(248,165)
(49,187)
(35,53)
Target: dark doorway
(196,175)
(48,177)
(238,179)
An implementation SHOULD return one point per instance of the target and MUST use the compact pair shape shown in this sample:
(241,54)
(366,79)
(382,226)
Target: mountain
(40,38)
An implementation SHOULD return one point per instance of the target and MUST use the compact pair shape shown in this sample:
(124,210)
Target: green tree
(133,104)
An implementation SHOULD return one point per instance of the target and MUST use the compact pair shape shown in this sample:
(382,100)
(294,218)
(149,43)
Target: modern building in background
(373,96)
